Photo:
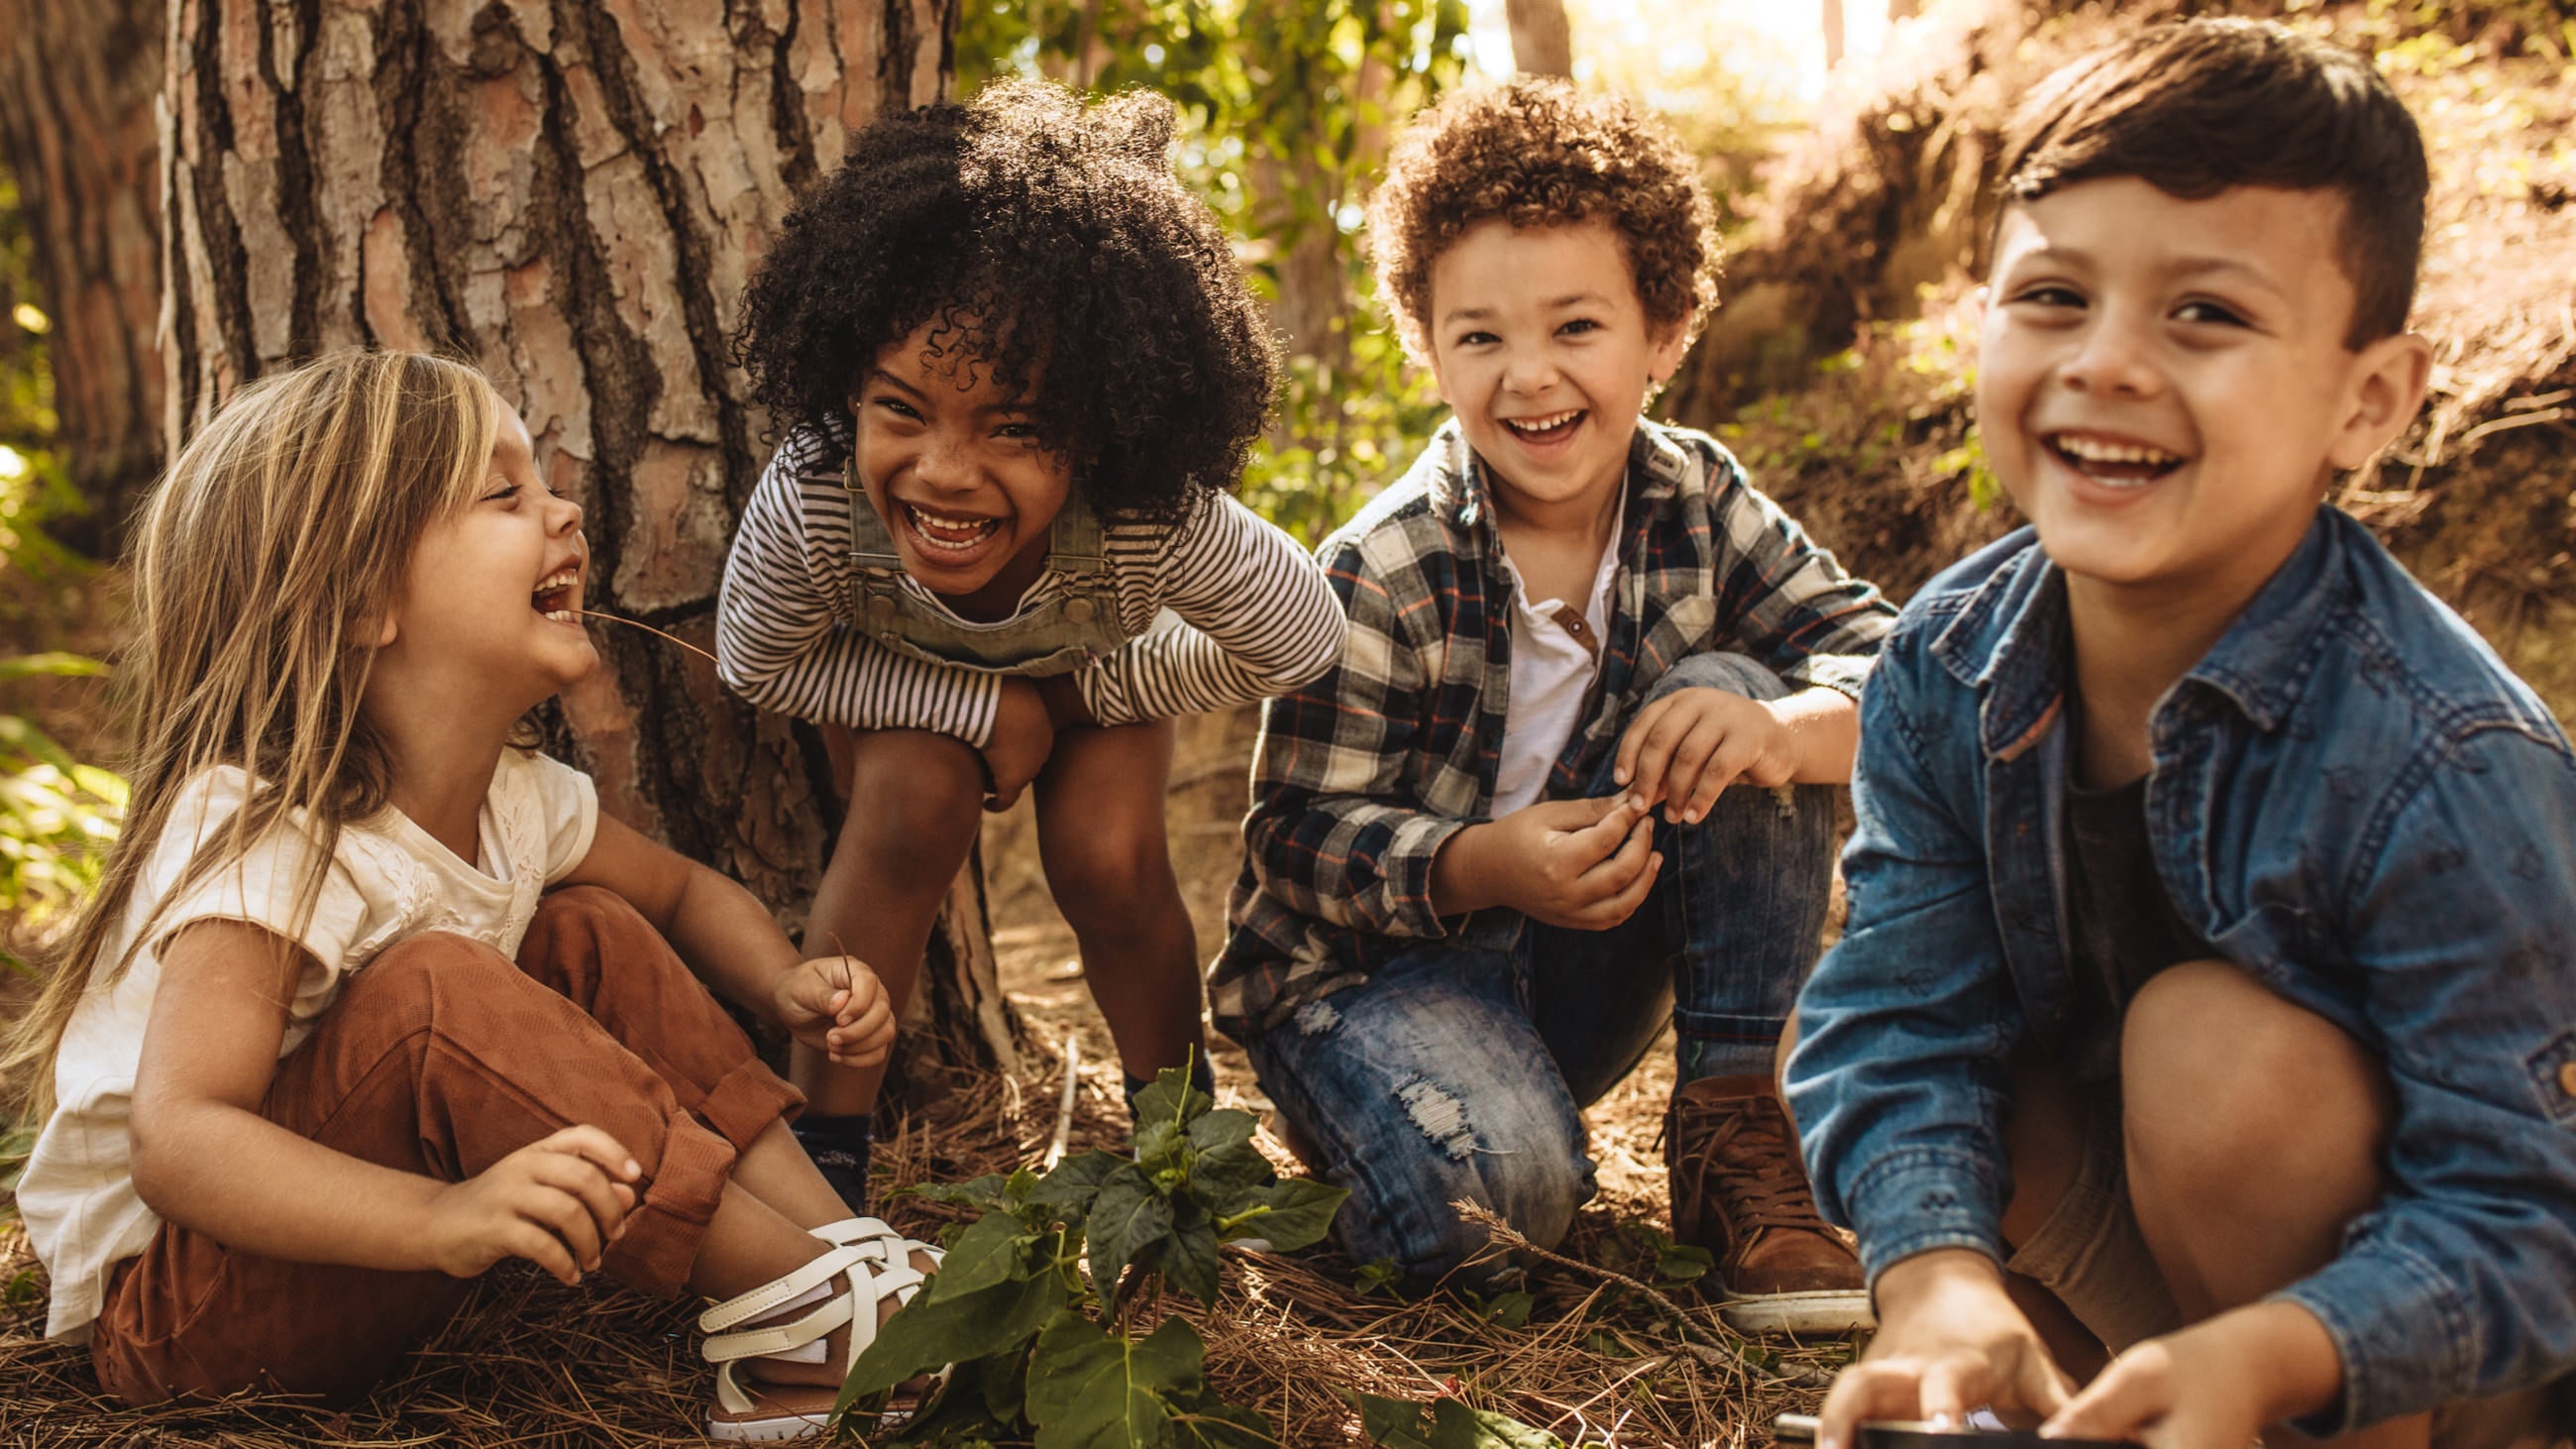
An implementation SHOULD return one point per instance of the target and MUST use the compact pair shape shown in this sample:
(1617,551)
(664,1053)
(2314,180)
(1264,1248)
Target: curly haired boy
(995,550)
(1571,778)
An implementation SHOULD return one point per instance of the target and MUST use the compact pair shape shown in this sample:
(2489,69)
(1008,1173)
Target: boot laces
(1746,1161)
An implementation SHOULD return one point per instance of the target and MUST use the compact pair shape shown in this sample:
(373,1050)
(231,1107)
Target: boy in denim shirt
(2207,970)
(1461,920)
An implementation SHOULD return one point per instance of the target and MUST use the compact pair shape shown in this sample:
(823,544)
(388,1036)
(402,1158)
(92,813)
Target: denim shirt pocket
(2553,1077)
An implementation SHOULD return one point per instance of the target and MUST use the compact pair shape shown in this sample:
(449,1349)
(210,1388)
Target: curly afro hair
(1534,151)
(1054,246)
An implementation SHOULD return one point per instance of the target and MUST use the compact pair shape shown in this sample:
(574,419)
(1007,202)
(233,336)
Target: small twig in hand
(1064,1108)
(649,629)
(1719,1351)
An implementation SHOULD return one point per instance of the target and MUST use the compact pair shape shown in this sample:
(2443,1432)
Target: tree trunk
(1542,40)
(1833,33)
(568,193)
(77,84)
(1903,9)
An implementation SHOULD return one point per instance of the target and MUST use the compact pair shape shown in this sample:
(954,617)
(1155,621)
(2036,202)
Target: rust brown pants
(442,1057)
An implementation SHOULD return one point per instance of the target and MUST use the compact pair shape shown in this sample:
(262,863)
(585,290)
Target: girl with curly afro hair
(995,549)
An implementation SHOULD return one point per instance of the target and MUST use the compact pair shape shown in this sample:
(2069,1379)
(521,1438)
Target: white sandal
(875,1260)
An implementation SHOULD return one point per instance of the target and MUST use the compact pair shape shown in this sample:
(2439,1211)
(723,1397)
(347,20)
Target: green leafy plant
(1041,1345)
(57,815)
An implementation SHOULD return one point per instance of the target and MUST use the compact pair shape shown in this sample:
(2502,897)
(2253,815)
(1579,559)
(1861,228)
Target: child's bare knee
(916,800)
(1110,875)
(2225,1085)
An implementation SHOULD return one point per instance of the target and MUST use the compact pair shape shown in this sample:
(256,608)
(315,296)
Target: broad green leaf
(1158,1144)
(982,1192)
(1204,1421)
(1128,1217)
(1395,1423)
(1225,1127)
(1509,1310)
(1089,1390)
(1006,1387)
(1224,1175)
(1291,1215)
(1187,1258)
(1455,1426)
(992,1249)
(1172,1099)
(1681,1263)
(956,1414)
(930,1332)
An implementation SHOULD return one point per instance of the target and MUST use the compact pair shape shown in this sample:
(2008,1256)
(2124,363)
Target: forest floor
(531,1363)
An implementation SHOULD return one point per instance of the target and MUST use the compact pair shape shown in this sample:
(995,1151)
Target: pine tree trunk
(77,84)
(1542,40)
(568,193)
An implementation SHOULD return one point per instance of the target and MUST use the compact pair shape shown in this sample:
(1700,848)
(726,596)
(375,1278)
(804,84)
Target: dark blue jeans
(1458,1072)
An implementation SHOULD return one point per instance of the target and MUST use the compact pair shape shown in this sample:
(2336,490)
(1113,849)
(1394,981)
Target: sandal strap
(880,1238)
(769,1297)
(784,1336)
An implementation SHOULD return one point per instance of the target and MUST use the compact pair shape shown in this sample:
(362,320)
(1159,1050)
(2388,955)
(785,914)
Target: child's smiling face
(955,468)
(493,593)
(2163,384)
(1544,351)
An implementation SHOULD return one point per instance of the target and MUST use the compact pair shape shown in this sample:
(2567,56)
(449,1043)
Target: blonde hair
(261,566)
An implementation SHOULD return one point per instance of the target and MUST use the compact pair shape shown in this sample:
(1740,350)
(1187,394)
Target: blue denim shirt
(2354,800)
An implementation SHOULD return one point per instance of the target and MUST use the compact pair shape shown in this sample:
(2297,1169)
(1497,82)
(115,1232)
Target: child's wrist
(1457,881)
(2286,1354)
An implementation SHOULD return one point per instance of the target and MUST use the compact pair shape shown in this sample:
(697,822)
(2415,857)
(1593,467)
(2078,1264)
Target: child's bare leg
(2044,1139)
(1109,862)
(2254,1131)
(776,1172)
(914,802)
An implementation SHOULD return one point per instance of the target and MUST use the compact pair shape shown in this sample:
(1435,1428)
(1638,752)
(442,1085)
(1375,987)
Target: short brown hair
(1536,152)
(2195,108)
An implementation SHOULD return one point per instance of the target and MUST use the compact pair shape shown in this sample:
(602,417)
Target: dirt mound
(1840,366)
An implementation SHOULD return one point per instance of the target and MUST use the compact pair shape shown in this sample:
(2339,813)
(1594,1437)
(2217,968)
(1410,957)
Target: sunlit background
(1776,48)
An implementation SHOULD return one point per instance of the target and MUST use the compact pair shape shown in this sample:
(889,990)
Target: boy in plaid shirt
(1496,849)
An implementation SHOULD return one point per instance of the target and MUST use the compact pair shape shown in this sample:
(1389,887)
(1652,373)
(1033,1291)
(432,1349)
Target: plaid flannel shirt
(1361,776)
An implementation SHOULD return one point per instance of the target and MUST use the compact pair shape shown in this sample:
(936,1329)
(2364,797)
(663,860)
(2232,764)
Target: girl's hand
(1684,748)
(558,1203)
(2214,1385)
(1949,1341)
(836,1005)
(1023,737)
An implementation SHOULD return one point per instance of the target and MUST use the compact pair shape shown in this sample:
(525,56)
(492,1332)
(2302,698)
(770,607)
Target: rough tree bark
(77,84)
(1542,40)
(570,194)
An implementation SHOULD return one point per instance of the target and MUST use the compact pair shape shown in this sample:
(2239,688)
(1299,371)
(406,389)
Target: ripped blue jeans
(1457,1072)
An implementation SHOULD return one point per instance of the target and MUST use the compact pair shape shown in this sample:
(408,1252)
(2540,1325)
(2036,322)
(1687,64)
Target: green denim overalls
(1068,630)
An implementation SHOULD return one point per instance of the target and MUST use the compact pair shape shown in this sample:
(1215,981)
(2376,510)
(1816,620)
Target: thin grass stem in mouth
(649,629)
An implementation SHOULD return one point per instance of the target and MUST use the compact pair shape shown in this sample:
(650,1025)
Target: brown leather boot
(1740,1191)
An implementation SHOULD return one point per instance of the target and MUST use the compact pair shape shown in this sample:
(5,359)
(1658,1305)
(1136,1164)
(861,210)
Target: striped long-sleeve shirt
(1257,617)
(1361,776)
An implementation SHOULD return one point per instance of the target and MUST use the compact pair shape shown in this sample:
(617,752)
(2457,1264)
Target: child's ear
(2389,379)
(370,632)
(1667,346)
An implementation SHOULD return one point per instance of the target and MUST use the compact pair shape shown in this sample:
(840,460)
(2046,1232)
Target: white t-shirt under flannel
(386,881)
(1555,658)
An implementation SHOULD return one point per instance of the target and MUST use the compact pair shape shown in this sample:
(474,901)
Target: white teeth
(563,616)
(940,531)
(1541,425)
(2099,452)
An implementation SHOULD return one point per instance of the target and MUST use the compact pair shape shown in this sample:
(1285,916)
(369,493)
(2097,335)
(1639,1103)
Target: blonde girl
(295,1088)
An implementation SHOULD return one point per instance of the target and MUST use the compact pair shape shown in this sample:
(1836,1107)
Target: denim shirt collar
(2261,664)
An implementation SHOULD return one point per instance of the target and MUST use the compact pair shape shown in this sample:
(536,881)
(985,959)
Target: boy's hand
(1684,748)
(1023,737)
(557,1202)
(1583,864)
(1950,1340)
(837,1006)
(2214,1385)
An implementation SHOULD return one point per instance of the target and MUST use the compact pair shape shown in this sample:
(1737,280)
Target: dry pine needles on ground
(532,1363)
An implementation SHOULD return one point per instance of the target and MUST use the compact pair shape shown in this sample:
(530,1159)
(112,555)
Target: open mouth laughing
(1545,429)
(558,595)
(948,533)
(2112,462)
